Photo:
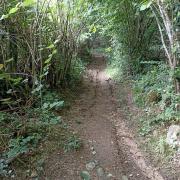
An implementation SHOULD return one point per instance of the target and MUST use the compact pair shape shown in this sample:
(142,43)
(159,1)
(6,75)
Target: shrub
(154,90)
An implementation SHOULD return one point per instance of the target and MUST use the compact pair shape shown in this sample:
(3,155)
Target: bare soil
(106,137)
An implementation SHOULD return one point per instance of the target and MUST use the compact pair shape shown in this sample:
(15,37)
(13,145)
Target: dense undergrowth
(154,93)
(154,90)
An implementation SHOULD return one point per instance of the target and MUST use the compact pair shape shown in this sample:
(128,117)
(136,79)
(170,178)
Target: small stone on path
(100,172)
(94,152)
(124,178)
(109,175)
(85,175)
(90,166)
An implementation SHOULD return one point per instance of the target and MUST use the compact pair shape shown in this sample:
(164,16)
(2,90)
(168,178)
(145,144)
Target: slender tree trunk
(172,42)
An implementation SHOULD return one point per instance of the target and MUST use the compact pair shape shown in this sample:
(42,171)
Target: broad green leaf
(1,66)
(56,104)
(45,105)
(9,91)
(54,52)
(4,76)
(37,89)
(4,17)
(16,80)
(13,10)
(47,61)
(55,120)
(85,175)
(145,5)
(27,3)
(51,46)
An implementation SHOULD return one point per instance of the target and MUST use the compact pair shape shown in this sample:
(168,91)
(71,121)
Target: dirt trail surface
(109,148)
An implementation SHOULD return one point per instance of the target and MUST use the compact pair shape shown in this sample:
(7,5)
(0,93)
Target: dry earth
(110,150)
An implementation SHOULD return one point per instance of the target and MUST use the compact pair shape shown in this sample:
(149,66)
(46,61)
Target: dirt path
(108,143)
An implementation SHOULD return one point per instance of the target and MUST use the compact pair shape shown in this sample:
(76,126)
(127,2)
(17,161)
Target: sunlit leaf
(54,52)
(13,10)
(51,46)
(145,5)
(1,66)
(4,17)
(9,91)
(94,29)
(47,61)
(27,3)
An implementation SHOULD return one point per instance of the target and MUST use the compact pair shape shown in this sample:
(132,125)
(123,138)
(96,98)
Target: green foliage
(72,143)
(5,171)
(117,62)
(22,145)
(163,108)
(145,128)
(51,101)
(159,146)
(77,72)
(39,46)
(157,79)
(145,5)
(22,134)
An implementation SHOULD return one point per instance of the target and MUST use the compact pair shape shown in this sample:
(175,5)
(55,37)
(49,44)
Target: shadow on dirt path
(110,150)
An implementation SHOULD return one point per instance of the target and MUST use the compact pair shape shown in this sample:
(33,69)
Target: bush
(154,90)
(21,134)
(118,67)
